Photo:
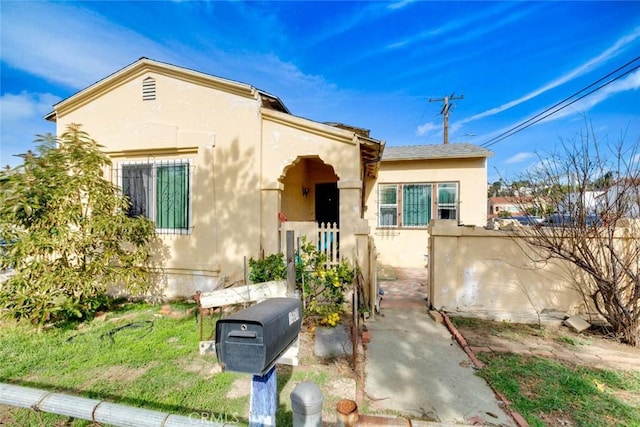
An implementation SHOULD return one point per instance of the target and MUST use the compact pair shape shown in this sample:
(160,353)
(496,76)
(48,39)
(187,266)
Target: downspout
(211,147)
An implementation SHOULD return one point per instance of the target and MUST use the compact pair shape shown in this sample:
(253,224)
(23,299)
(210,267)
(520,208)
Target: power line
(487,144)
(541,116)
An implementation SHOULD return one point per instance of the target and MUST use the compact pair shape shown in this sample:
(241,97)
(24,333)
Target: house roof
(370,148)
(359,131)
(435,151)
(144,65)
(503,200)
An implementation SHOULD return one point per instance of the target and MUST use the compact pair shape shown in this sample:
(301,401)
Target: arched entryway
(310,191)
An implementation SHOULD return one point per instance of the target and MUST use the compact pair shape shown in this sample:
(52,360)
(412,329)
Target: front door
(327,203)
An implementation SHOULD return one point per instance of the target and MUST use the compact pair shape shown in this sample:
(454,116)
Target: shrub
(270,268)
(323,286)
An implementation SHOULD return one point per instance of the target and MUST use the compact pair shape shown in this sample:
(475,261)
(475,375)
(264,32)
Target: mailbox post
(264,399)
(251,341)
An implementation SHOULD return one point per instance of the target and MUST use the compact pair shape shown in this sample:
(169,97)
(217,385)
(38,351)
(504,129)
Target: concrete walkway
(414,368)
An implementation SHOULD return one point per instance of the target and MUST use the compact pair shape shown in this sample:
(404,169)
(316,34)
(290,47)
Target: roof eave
(371,154)
(51,116)
(471,156)
(281,107)
(142,66)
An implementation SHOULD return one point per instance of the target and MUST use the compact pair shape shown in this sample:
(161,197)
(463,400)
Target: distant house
(622,198)
(512,205)
(224,169)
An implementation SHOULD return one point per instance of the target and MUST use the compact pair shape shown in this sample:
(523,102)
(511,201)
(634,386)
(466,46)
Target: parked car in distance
(527,219)
(566,220)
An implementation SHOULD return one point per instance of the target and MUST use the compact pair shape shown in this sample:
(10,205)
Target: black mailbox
(251,340)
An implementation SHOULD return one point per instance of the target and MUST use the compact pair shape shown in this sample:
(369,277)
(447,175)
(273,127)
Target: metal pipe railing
(95,410)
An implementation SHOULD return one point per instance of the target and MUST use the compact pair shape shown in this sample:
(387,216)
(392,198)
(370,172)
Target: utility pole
(446,105)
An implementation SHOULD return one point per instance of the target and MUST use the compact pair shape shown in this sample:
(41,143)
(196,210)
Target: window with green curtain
(387,205)
(416,205)
(172,196)
(448,201)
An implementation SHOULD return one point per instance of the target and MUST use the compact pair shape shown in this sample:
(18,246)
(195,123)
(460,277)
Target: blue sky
(369,64)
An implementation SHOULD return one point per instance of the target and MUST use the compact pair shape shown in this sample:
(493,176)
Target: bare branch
(590,191)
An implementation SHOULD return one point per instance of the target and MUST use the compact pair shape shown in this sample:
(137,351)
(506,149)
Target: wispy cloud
(428,128)
(67,45)
(519,158)
(362,15)
(598,60)
(22,106)
(302,92)
(448,33)
(400,4)
(628,83)
(21,121)
(482,24)
(84,47)
(579,108)
(66,52)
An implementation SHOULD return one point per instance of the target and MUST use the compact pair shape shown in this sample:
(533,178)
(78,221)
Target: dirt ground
(593,347)
(334,376)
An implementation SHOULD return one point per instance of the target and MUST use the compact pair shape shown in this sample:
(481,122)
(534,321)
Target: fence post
(364,258)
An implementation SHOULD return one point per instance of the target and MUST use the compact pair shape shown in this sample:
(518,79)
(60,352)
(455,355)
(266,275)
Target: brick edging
(519,419)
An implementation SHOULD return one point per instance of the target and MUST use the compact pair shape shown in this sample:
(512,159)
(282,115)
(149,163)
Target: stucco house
(420,183)
(224,168)
(512,205)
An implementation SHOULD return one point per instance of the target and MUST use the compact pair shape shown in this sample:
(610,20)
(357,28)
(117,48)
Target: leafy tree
(519,188)
(67,233)
(603,182)
(597,232)
(495,188)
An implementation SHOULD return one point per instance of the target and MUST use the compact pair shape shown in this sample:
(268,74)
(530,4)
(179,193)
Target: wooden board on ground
(243,294)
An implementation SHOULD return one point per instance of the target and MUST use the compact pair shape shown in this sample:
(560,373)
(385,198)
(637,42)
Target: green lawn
(546,392)
(553,392)
(133,356)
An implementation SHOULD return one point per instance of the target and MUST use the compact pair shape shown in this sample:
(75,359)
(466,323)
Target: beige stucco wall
(488,273)
(290,140)
(409,247)
(219,133)
(240,154)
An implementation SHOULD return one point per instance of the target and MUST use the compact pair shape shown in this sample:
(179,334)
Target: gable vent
(149,89)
